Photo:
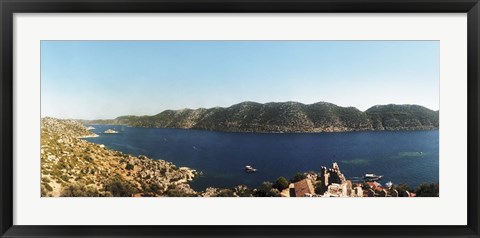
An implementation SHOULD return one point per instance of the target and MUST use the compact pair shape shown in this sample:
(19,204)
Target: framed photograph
(239,118)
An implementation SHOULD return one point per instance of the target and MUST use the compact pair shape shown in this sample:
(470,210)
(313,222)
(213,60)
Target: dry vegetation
(74,167)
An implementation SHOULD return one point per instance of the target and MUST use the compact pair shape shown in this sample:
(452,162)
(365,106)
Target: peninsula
(73,167)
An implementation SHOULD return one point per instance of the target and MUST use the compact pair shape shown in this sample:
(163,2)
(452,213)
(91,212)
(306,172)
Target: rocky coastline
(71,166)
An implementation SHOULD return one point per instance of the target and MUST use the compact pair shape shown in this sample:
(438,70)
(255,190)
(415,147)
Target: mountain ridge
(288,117)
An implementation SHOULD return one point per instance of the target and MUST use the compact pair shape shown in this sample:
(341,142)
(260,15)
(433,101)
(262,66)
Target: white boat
(250,169)
(372,177)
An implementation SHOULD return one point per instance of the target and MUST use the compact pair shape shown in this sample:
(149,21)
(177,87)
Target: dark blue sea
(409,157)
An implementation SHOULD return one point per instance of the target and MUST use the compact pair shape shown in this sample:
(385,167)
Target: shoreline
(184,168)
(240,182)
(193,172)
(89,136)
(75,167)
(269,132)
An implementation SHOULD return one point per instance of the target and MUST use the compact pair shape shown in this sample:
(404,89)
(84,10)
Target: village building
(377,190)
(302,188)
(357,192)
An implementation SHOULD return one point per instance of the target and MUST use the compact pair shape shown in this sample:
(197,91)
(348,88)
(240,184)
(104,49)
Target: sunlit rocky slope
(74,167)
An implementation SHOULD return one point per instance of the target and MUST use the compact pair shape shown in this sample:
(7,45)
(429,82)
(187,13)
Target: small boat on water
(372,177)
(250,169)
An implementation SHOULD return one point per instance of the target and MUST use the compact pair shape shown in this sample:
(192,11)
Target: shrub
(155,188)
(45,180)
(120,188)
(65,177)
(225,193)
(48,187)
(427,190)
(79,190)
(88,158)
(151,188)
(129,166)
(281,183)
(178,192)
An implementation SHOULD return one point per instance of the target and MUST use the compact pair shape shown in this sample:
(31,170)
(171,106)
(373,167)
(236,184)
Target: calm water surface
(409,157)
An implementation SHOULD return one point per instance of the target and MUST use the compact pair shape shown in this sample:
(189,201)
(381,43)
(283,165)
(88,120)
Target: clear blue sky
(107,79)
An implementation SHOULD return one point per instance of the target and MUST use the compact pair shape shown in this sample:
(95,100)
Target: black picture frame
(9,7)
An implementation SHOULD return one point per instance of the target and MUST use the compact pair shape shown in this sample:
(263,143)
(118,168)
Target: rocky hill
(288,117)
(402,117)
(74,167)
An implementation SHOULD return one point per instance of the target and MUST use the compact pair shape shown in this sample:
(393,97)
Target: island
(110,131)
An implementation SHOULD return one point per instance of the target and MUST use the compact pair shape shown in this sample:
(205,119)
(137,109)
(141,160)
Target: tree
(266,190)
(319,188)
(427,190)
(297,177)
(402,189)
(281,183)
